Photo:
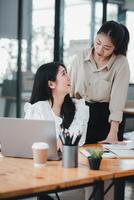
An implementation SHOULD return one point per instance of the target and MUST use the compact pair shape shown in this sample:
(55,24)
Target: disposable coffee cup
(40,153)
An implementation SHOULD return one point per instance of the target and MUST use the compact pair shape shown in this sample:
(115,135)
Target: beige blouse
(106,84)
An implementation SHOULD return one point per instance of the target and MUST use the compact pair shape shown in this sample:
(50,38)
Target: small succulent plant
(95,153)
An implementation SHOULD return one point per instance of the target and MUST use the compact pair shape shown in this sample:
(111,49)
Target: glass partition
(76,28)
(42,32)
(130,25)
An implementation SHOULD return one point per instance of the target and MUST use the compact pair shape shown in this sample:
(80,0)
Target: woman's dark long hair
(42,92)
(119,35)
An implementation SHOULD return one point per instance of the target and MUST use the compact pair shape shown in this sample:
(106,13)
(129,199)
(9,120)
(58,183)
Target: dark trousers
(98,125)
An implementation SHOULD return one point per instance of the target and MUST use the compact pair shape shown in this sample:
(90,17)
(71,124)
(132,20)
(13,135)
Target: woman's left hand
(112,137)
(109,140)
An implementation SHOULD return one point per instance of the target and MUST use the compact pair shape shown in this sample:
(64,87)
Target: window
(130,55)
(42,32)
(77,34)
(112,10)
(76,28)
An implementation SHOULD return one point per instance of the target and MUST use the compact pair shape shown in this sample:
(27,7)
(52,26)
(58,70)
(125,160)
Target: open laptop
(17,136)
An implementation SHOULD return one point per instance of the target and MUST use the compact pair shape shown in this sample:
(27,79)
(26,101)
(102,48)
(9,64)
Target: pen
(61,140)
(109,150)
(76,142)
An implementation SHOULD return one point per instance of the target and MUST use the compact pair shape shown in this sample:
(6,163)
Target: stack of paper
(106,154)
(124,150)
(125,145)
(129,135)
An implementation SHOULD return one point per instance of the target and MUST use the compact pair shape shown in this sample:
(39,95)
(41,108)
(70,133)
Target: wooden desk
(129,109)
(129,112)
(18,177)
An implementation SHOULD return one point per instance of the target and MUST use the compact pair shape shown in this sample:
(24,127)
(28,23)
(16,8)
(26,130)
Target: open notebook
(115,151)
(125,150)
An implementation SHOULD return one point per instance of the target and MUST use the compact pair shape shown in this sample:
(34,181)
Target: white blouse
(42,110)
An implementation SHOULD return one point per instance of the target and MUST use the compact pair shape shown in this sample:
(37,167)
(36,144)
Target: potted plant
(95,158)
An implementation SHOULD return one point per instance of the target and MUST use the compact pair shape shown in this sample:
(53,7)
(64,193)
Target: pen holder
(70,156)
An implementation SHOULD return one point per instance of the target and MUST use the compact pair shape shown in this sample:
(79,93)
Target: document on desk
(107,154)
(125,150)
(125,145)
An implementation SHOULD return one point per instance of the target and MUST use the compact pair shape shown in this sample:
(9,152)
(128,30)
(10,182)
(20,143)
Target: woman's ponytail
(123,46)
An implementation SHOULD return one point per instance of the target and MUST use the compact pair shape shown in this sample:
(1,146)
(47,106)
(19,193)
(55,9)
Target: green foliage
(95,153)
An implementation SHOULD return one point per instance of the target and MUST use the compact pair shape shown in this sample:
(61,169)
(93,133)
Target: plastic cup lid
(40,145)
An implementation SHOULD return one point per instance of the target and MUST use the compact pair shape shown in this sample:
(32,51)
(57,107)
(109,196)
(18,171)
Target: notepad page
(123,146)
(124,153)
(124,150)
(105,155)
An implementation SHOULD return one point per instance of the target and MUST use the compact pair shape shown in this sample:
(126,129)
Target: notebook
(114,151)
(124,150)
(86,153)
(17,136)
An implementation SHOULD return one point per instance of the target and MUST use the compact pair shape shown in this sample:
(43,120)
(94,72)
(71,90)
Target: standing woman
(100,75)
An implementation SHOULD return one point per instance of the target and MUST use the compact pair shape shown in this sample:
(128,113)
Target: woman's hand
(59,144)
(112,137)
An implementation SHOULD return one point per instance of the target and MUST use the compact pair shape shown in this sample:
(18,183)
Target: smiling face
(103,46)
(62,84)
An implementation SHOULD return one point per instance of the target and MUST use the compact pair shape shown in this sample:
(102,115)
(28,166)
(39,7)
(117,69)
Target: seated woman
(50,100)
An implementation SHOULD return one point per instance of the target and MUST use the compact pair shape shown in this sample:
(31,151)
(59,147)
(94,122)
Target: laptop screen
(17,136)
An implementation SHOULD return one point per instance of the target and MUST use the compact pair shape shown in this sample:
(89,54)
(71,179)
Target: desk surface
(19,177)
(129,111)
(129,108)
